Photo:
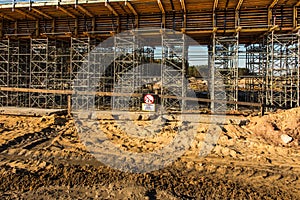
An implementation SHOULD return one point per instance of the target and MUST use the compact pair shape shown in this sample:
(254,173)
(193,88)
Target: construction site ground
(43,157)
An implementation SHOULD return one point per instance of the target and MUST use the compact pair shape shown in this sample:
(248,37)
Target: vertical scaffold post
(212,53)
(4,70)
(13,71)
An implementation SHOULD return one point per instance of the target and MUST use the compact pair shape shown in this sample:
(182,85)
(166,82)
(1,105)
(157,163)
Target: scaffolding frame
(60,79)
(127,74)
(13,71)
(39,71)
(52,64)
(282,71)
(81,73)
(256,55)
(24,71)
(4,70)
(173,66)
(224,65)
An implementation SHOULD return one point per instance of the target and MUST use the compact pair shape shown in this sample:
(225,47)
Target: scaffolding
(81,73)
(13,71)
(80,64)
(282,71)
(224,66)
(24,72)
(254,80)
(127,74)
(100,63)
(4,70)
(54,50)
(173,66)
(39,71)
(60,79)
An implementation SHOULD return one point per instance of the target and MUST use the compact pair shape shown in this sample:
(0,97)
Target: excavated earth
(45,158)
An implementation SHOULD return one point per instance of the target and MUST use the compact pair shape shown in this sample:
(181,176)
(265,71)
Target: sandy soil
(44,158)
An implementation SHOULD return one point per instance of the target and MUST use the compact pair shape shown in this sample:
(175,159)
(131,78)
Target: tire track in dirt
(29,140)
(52,157)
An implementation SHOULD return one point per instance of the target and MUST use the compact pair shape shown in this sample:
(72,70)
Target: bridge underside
(44,45)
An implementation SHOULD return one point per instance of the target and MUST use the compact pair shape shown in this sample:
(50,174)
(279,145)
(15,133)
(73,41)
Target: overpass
(42,42)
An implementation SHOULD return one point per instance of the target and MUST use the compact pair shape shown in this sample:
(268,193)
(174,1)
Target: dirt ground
(44,158)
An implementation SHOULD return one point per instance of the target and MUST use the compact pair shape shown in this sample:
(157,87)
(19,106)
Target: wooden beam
(269,17)
(6,17)
(161,7)
(298,4)
(53,24)
(70,92)
(41,13)
(85,11)
(93,24)
(119,25)
(163,11)
(183,7)
(65,11)
(76,27)
(163,20)
(111,8)
(237,18)
(131,8)
(295,16)
(215,5)
(238,6)
(26,14)
(37,28)
(273,4)
(137,21)
(16,27)
(240,29)
(274,28)
(182,2)
(1,29)
(184,20)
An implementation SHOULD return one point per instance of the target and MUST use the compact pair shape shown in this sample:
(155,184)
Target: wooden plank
(161,7)
(76,27)
(65,11)
(41,13)
(85,11)
(70,92)
(111,8)
(6,17)
(53,23)
(273,4)
(238,6)
(131,8)
(295,16)
(37,28)
(16,24)
(25,14)
(1,29)
(183,6)
(216,2)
